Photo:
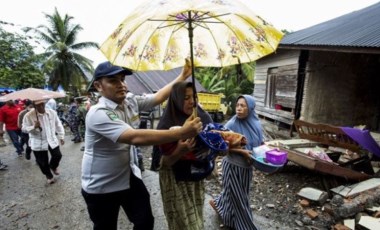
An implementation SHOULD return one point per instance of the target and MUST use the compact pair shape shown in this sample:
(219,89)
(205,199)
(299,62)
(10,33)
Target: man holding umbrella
(109,177)
(43,124)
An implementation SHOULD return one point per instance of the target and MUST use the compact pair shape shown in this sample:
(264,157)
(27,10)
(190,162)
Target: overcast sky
(100,18)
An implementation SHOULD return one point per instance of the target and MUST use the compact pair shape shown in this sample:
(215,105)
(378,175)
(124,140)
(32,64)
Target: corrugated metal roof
(135,86)
(360,29)
(152,81)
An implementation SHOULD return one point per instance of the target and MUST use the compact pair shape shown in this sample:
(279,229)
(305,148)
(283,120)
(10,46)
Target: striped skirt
(233,203)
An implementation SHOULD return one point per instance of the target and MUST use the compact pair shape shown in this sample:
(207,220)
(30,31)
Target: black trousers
(42,159)
(104,208)
(25,140)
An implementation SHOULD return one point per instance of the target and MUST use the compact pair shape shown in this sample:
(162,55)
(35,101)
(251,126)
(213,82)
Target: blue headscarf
(250,126)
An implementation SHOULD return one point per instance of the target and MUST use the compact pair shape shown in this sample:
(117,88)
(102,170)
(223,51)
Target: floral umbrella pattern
(156,36)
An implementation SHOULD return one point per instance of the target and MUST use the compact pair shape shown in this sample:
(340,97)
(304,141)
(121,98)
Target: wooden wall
(276,84)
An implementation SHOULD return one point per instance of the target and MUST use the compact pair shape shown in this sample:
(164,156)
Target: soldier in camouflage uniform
(74,121)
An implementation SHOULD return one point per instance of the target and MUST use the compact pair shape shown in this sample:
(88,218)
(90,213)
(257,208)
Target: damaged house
(328,73)
(322,81)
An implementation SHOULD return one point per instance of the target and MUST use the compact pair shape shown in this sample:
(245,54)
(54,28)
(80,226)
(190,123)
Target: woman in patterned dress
(182,200)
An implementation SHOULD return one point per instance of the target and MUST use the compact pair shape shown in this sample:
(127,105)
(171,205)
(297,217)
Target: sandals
(55,171)
(50,181)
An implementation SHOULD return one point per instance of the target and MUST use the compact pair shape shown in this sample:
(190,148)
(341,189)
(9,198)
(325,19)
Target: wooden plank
(276,117)
(259,103)
(291,67)
(293,143)
(260,76)
(286,102)
(285,91)
(279,113)
(281,58)
(288,72)
(286,88)
(259,96)
(289,79)
(324,166)
(259,91)
(260,81)
(302,159)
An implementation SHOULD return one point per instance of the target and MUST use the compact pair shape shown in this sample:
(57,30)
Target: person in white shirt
(51,104)
(46,132)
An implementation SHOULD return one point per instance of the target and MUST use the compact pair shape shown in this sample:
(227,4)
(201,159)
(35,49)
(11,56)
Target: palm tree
(63,64)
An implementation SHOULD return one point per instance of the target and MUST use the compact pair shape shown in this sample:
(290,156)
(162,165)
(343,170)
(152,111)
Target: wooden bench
(334,136)
(325,134)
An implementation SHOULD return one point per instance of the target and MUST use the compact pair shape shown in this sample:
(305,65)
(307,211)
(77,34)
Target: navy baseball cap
(106,69)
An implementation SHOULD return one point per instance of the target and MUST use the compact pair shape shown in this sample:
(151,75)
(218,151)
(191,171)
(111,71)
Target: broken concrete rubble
(350,223)
(370,222)
(354,189)
(362,199)
(365,196)
(313,194)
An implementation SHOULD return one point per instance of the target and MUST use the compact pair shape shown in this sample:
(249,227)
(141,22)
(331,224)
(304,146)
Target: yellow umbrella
(158,35)
(161,34)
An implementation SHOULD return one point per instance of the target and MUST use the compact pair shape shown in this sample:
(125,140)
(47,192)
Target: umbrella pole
(191,29)
(35,110)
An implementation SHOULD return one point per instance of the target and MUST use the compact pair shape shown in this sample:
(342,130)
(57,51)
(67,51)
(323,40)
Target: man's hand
(62,142)
(191,127)
(37,124)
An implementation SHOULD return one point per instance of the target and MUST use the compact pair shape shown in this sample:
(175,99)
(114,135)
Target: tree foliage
(19,66)
(209,79)
(232,81)
(62,63)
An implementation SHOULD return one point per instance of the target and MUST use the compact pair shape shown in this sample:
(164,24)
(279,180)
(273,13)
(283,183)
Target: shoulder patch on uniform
(112,115)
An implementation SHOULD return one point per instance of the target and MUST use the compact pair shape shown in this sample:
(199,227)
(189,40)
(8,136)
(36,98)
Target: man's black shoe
(77,140)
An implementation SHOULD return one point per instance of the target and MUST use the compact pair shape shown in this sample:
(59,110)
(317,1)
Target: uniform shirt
(9,116)
(106,164)
(50,124)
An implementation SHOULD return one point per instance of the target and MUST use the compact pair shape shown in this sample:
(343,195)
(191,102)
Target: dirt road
(28,202)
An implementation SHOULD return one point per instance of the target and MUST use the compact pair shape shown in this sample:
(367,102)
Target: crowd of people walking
(13,112)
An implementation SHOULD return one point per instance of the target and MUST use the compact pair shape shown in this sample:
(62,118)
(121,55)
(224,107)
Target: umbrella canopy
(32,94)
(160,34)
